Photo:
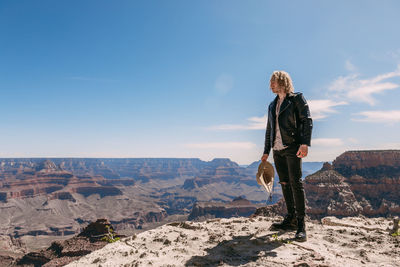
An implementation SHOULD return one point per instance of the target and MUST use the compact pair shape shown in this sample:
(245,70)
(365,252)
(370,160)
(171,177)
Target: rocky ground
(93,237)
(352,241)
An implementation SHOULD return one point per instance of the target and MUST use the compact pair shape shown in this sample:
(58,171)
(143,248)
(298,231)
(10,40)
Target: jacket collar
(285,104)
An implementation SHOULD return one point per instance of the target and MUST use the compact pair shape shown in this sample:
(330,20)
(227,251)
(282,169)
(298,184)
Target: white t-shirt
(278,145)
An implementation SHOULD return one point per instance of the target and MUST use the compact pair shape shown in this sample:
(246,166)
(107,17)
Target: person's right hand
(264,157)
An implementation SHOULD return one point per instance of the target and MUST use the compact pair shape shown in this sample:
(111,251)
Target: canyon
(48,199)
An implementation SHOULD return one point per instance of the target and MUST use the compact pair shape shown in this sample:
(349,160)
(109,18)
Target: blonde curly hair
(283,79)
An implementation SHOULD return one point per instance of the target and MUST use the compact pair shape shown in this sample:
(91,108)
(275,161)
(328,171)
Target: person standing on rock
(288,133)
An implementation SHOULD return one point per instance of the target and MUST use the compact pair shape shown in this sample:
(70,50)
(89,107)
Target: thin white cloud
(254,123)
(394,54)
(349,66)
(224,83)
(390,146)
(353,88)
(352,140)
(380,116)
(321,108)
(328,142)
(222,145)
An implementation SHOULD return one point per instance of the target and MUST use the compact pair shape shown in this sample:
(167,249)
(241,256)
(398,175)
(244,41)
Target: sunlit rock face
(357,182)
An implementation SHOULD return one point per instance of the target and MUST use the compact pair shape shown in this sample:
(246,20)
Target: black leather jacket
(295,122)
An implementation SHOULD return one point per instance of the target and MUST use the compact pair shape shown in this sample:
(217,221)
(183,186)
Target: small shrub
(110,237)
(276,239)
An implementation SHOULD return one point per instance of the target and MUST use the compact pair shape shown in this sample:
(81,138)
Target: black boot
(288,223)
(301,235)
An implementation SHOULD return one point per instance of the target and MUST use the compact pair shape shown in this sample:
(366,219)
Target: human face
(275,88)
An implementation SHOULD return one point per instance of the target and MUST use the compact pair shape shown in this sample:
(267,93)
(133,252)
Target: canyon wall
(357,183)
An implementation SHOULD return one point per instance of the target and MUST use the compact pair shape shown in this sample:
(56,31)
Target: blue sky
(190,78)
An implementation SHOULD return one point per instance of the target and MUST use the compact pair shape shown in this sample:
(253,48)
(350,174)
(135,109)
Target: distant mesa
(219,170)
(327,166)
(369,163)
(223,162)
(47,166)
(237,207)
(240,200)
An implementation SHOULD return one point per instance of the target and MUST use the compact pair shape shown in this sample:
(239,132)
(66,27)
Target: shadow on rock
(238,251)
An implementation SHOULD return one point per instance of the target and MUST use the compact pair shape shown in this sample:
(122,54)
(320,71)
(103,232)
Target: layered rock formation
(41,199)
(369,163)
(137,168)
(47,179)
(219,170)
(52,175)
(358,182)
(134,194)
(329,193)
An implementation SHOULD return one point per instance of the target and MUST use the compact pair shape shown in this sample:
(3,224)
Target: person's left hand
(258,180)
(302,152)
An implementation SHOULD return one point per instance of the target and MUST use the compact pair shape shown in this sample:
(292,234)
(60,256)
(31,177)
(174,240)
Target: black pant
(288,167)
